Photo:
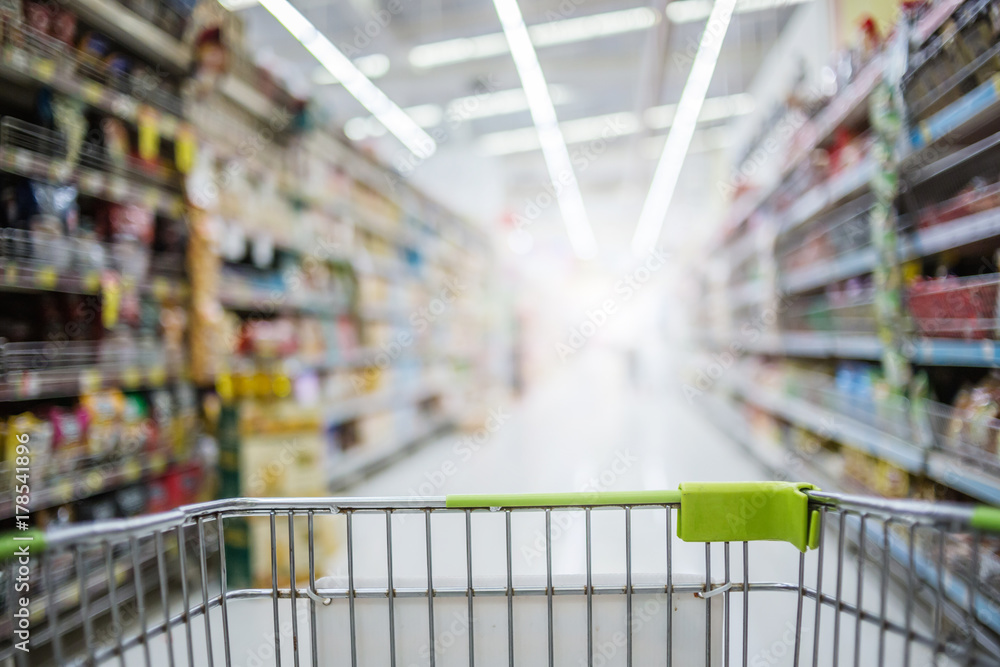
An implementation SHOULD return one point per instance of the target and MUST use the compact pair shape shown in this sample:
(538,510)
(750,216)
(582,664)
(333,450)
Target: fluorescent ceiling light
(689,11)
(483,105)
(567,31)
(357,84)
(543,113)
(703,141)
(499,103)
(609,126)
(374,66)
(237,5)
(668,170)
(363,127)
(715,108)
(522,140)
(592,27)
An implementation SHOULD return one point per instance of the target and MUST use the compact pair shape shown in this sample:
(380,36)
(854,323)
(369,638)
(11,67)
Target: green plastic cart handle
(986,518)
(481,501)
(709,511)
(11,543)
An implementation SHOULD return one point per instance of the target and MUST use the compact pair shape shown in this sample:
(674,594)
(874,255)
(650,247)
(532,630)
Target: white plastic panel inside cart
(451,626)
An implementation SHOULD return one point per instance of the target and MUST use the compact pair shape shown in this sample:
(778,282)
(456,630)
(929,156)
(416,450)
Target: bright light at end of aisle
(668,170)
(543,114)
(357,84)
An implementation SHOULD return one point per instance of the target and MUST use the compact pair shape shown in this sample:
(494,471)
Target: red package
(183,485)
(38,16)
(64,27)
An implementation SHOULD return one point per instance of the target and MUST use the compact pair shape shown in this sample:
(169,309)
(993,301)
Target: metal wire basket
(493,580)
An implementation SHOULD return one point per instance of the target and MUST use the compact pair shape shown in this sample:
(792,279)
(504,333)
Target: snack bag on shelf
(69,433)
(104,409)
(37,434)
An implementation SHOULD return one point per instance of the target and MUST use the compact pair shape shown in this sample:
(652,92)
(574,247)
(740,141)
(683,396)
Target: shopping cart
(553,579)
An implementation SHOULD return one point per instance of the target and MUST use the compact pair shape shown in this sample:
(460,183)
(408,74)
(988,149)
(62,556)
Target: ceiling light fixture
(522,140)
(543,113)
(357,84)
(612,125)
(714,108)
(689,11)
(237,5)
(459,110)
(567,31)
(499,103)
(374,66)
(668,170)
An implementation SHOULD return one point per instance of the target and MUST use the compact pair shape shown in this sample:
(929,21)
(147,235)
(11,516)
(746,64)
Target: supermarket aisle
(587,429)
(584,426)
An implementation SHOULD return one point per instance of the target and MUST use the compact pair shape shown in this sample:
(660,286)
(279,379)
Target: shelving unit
(93,358)
(802,294)
(315,296)
(789,463)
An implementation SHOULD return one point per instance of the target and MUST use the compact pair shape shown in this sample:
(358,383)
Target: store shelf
(21,278)
(101,478)
(726,417)
(944,466)
(836,426)
(40,60)
(973,481)
(745,294)
(837,345)
(954,234)
(819,344)
(953,352)
(821,274)
(243,296)
(967,113)
(45,263)
(934,19)
(126,27)
(67,600)
(70,368)
(248,97)
(848,107)
(926,570)
(362,462)
(108,186)
(825,196)
(787,464)
(386,399)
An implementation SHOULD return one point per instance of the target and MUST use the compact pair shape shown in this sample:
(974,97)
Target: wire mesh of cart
(762,573)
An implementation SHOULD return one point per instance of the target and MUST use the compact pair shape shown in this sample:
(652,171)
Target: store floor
(590,427)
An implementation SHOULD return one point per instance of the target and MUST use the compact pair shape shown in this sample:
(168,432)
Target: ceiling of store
(487,164)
